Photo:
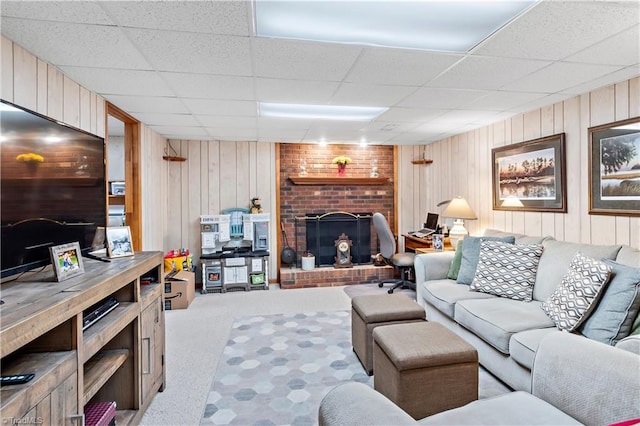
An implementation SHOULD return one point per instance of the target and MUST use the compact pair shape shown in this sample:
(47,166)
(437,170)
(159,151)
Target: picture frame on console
(534,171)
(66,260)
(614,168)
(119,242)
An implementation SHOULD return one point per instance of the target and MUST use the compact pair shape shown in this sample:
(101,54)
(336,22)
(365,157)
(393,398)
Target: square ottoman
(371,311)
(424,368)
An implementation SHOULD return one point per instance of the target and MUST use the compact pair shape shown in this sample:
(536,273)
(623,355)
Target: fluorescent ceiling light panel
(445,26)
(320,112)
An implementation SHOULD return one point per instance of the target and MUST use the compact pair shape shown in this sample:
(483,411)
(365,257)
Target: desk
(422,245)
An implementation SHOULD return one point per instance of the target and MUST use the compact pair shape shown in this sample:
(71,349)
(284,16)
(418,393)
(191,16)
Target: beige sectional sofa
(507,332)
(575,381)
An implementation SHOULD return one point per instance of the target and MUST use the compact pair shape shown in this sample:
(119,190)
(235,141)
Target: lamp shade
(458,208)
(512,201)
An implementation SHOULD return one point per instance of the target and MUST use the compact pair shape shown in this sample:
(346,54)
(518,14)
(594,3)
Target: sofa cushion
(514,408)
(454,269)
(496,320)
(471,253)
(613,316)
(629,256)
(578,293)
(523,345)
(520,238)
(507,270)
(443,295)
(555,260)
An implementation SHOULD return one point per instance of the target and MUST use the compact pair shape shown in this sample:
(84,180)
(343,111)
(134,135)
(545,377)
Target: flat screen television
(52,187)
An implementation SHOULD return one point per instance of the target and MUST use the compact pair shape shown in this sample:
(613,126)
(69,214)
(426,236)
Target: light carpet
(276,369)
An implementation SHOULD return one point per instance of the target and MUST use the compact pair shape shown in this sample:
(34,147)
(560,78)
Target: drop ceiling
(196,70)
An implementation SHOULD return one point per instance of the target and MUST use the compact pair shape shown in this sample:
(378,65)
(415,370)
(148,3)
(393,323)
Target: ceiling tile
(441,98)
(559,76)
(399,114)
(294,91)
(612,78)
(107,81)
(214,17)
(300,60)
(621,49)
(503,100)
(233,133)
(399,66)
(211,106)
(189,85)
(86,12)
(482,72)
(350,94)
(226,121)
(162,119)
(557,29)
(193,52)
(101,47)
(178,132)
(152,104)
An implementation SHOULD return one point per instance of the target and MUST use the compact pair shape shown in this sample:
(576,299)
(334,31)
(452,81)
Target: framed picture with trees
(614,168)
(532,171)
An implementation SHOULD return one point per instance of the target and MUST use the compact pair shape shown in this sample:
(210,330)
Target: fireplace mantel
(336,180)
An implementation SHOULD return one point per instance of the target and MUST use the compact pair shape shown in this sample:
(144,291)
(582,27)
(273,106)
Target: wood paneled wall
(217,175)
(462,166)
(30,82)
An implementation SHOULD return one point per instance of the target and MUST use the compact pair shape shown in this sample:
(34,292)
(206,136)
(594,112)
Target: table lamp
(458,209)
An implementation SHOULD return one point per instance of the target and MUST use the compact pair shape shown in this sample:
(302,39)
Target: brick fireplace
(322,191)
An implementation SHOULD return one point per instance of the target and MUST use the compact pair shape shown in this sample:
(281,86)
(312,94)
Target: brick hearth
(332,277)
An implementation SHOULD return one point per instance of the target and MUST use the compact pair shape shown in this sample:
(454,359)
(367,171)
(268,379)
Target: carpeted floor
(275,369)
(357,290)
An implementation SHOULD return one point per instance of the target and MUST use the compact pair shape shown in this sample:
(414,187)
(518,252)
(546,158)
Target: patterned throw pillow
(570,304)
(471,254)
(507,270)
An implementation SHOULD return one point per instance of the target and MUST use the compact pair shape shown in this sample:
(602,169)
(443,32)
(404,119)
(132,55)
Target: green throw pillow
(455,264)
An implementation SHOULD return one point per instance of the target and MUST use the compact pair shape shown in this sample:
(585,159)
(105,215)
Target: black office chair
(402,261)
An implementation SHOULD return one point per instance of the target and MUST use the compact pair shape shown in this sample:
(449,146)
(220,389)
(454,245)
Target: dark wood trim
(133,180)
(421,161)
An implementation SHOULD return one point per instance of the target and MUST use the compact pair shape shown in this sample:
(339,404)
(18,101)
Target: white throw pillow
(570,304)
(507,270)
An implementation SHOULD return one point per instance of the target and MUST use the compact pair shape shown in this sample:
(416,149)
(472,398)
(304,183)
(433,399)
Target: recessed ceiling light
(320,112)
(445,26)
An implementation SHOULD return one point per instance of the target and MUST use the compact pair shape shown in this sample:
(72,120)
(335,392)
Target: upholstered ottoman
(371,311)
(424,367)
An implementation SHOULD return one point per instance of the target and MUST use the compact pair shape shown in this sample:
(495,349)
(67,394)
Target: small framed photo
(119,241)
(66,260)
(438,242)
(116,188)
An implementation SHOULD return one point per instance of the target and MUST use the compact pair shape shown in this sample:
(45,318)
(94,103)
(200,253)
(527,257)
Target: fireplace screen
(323,229)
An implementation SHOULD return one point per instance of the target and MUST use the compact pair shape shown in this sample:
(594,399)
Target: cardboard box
(179,290)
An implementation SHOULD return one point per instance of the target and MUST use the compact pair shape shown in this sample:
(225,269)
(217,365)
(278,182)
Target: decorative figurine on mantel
(374,168)
(303,167)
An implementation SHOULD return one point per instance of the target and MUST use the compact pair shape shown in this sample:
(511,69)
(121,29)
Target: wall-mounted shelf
(421,161)
(335,180)
(173,158)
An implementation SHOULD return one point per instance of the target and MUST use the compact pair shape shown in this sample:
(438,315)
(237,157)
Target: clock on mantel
(336,180)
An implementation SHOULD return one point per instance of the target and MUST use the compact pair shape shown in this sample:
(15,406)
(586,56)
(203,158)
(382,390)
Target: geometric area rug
(275,369)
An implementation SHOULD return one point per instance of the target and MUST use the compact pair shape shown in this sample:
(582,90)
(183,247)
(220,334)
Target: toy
(256,205)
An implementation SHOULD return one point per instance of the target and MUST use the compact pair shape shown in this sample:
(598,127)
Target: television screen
(52,187)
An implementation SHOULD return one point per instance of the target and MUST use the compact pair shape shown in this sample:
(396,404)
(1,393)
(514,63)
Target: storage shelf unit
(120,358)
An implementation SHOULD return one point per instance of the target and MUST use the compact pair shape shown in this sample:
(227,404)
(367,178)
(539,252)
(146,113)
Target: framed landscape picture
(534,172)
(119,241)
(614,168)
(66,260)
